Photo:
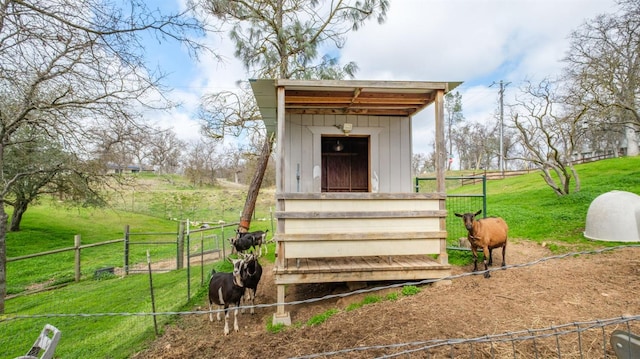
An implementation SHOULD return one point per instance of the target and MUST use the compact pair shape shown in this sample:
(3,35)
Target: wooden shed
(346,208)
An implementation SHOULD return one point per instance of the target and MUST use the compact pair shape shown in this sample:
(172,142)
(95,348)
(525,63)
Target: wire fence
(587,339)
(584,339)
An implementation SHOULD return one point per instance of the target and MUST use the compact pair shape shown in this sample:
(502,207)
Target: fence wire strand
(425,347)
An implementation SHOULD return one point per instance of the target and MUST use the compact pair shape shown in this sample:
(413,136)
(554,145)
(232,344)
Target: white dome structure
(614,216)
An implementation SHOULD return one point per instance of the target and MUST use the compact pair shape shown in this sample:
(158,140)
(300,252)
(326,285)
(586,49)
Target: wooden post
(180,254)
(281,316)
(76,245)
(222,242)
(126,249)
(443,257)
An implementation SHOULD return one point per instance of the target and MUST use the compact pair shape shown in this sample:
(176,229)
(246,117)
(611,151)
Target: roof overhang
(345,97)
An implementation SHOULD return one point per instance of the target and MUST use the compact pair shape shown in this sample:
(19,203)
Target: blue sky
(478,42)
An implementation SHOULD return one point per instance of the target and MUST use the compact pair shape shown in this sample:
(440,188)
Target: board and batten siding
(390,165)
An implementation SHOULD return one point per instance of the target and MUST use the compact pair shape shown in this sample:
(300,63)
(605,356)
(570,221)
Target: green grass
(408,290)
(534,212)
(50,226)
(369,299)
(94,336)
(321,318)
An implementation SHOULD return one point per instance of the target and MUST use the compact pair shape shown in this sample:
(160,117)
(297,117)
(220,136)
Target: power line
(502,87)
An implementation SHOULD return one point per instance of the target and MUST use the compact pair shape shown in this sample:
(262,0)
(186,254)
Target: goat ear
(458,214)
(477,213)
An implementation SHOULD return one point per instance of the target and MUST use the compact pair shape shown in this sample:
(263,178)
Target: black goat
(227,289)
(252,273)
(245,241)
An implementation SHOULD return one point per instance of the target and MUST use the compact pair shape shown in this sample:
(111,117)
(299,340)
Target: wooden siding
(359,224)
(390,165)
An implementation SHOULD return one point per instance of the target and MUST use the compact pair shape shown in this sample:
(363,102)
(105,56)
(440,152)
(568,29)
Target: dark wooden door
(345,164)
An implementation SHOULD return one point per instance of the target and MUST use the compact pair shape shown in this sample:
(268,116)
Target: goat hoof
(487,275)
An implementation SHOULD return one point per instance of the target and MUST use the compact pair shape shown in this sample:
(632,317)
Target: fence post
(484,196)
(76,245)
(153,298)
(180,254)
(188,235)
(201,259)
(126,249)
(224,254)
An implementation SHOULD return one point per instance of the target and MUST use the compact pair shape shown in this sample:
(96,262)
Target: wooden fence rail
(77,247)
(60,250)
(181,235)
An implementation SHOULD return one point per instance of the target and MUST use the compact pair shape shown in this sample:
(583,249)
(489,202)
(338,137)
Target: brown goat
(486,233)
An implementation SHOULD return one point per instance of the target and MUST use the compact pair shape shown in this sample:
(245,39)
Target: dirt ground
(548,293)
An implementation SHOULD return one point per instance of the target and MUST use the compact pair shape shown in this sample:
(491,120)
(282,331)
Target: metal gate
(464,194)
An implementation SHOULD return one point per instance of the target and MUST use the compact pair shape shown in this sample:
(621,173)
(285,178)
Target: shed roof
(346,97)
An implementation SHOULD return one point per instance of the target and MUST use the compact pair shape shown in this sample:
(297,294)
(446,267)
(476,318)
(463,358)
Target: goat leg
(490,256)
(487,253)
(235,319)
(245,298)
(252,296)
(226,321)
(474,251)
(504,249)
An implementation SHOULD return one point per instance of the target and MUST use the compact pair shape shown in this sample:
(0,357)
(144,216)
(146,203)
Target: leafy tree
(66,66)
(282,39)
(604,72)
(33,162)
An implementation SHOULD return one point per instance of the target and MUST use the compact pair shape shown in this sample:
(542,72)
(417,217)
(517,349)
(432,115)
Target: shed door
(345,164)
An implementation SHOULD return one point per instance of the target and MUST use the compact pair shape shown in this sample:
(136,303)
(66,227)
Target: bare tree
(548,133)
(202,164)
(476,144)
(66,66)
(604,71)
(166,150)
(281,39)
(453,109)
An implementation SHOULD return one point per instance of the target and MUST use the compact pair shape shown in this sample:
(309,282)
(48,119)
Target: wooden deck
(356,269)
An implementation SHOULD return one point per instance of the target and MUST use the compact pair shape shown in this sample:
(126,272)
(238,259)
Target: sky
(477,42)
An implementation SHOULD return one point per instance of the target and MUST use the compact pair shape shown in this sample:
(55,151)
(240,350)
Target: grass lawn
(99,336)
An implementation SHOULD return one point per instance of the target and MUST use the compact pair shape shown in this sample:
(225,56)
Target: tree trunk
(575,176)
(254,188)
(632,141)
(18,210)
(550,182)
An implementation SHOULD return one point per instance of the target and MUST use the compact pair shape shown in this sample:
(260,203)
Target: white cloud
(475,41)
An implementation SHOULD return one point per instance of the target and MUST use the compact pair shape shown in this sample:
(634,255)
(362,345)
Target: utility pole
(501,156)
